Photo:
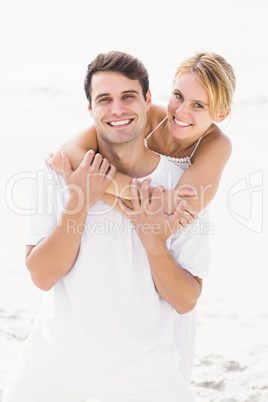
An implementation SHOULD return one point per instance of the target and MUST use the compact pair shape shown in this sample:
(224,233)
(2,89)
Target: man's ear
(148,100)
(222,116)
(89,108)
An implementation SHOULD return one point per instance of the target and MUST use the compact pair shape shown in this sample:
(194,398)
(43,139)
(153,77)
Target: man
(105,328)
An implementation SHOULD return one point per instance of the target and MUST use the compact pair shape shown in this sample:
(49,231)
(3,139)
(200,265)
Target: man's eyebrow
(193,100)
(101,95)
(129,91)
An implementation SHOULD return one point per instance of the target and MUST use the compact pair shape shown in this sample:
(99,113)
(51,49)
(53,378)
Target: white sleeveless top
(182,163)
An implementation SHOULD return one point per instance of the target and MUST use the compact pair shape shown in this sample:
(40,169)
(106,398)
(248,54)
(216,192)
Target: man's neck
(132,159)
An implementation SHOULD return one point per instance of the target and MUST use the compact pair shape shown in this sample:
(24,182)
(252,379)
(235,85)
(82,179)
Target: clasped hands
(147,215)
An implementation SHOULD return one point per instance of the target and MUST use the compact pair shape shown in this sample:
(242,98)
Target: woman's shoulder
(155,115)
(215,141)
(216,137)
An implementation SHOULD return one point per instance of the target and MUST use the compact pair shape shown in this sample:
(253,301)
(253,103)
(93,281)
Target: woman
(186,133)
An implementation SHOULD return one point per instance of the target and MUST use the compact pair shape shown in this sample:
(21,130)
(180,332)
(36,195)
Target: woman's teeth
(181,123)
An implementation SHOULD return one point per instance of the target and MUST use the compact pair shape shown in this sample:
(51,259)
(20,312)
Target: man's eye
(104,99)
(128,96)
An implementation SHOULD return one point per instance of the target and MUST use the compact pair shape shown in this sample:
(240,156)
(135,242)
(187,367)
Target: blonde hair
(216,75)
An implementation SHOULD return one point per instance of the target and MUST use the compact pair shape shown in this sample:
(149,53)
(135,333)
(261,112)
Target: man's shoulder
(45,174)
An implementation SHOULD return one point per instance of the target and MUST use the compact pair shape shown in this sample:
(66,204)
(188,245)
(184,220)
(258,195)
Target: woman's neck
(163,143)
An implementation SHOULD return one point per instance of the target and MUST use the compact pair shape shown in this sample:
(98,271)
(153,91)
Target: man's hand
(49,162)
(173,283)
(152,225)
(88,182)
(171,198)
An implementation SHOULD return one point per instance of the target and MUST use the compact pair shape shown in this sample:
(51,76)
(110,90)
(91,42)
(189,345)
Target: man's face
(118,107)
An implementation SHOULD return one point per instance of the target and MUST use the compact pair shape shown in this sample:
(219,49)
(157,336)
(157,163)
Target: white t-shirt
(103,326)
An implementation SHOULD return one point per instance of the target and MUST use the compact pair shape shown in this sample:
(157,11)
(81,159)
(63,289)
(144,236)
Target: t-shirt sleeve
(190,247)
(43,217)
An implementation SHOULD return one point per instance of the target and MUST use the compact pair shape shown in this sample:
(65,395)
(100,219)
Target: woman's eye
(178,96)
(199,106)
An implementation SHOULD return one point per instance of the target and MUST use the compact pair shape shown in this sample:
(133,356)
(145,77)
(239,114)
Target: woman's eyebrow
(193,100)
(200,101)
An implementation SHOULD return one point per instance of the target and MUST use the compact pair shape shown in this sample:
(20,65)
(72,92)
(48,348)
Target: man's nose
(117,107)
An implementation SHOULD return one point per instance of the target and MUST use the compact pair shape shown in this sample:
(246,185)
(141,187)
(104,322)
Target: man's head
(119,62)
(117,87)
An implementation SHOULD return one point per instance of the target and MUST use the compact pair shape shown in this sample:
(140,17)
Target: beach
(43,104)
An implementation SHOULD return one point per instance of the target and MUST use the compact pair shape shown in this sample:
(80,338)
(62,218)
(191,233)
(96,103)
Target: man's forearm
(174,284)
(54,256)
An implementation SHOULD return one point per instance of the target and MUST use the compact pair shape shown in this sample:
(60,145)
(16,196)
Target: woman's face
(188,108)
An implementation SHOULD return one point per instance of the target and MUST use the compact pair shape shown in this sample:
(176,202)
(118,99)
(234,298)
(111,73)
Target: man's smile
(121,123)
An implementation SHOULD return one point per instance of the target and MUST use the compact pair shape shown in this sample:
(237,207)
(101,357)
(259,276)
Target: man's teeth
(181,123)
(119,123)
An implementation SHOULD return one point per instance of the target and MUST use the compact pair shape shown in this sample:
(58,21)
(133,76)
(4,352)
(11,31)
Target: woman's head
(216,75)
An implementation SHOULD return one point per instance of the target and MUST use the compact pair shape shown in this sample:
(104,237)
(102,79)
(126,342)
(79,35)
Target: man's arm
(174,284)
(55,255)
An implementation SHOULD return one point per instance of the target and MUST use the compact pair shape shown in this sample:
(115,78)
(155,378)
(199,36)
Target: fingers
(88,158)
(48,161)
(156,199)
(105,166)
(185,192)
(188,207)
(184,223)
(111,172)
(127,211)
(135,195)
(144,194)
(66,164)
(191,211)
(95,163)
(182,215)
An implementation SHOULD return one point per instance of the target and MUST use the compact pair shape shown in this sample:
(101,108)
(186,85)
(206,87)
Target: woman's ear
(222,116)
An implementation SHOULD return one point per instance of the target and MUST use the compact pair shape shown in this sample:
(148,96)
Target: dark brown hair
(119,62)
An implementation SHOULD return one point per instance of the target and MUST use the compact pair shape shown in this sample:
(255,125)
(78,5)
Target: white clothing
(184,327)
(103,327)
(25,385)
(182,163)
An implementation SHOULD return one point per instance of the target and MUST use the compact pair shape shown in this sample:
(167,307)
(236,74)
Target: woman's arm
(208,163)
(77,147)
